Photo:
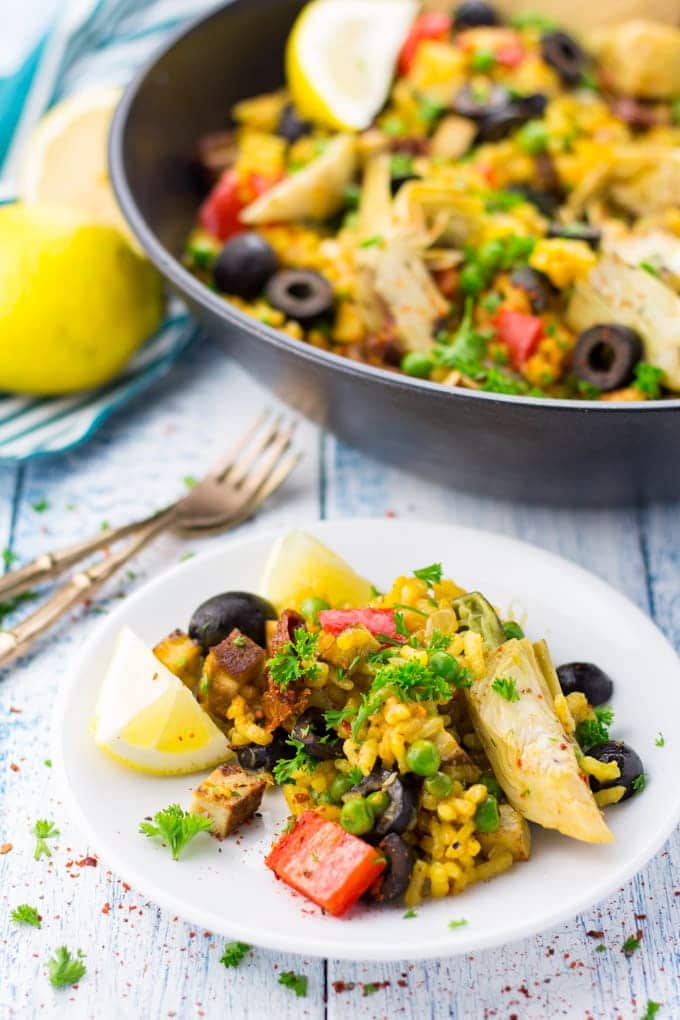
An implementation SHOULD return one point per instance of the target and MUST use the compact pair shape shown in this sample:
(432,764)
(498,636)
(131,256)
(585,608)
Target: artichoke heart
(532,757)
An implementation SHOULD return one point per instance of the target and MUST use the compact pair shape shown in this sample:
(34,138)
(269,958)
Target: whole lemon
(75,300)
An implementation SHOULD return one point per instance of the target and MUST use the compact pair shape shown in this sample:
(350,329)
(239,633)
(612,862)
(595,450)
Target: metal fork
(257,464)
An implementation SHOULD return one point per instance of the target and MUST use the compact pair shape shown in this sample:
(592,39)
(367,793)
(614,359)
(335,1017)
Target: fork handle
(51,564)
(78,588)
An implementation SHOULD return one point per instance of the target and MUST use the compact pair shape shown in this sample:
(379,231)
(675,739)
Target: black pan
(520,448)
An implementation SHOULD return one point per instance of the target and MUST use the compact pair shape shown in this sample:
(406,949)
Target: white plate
(227,888)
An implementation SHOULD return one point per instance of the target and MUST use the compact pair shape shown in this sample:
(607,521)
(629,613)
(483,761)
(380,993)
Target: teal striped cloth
(92,42)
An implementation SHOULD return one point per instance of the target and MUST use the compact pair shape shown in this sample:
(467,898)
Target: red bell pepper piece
(511,54)
(220,213)
(378,621)
(431,25)
(519,332)
(325,863)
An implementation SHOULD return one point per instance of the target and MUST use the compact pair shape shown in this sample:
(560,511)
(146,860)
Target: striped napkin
(91,42)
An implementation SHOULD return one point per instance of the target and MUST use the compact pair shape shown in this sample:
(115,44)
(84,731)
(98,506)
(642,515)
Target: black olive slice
(301,294)
(564,55)
(606,355)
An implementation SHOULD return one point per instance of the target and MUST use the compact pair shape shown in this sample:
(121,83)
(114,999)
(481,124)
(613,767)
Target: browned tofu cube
(229,797)
(182,656)
(233,664)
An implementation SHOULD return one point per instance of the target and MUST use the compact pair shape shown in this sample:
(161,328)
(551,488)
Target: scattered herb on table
(10,605)
(176,827)
(506,686)
(370,988)
(631,944)
(296,982)
(601,948)
(40,506)
(43,830)
(234,953)
(651,1010)
(65,969)
(26,914)
(9,557)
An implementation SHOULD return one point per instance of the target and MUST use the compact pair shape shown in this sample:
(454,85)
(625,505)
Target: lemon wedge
(300,566)
(65,159)
(148,720)
(341,56)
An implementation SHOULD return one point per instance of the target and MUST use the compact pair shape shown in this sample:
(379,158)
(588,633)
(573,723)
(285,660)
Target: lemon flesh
(75,300)
(148,720)
(340,58)
(300,566)
(65,162)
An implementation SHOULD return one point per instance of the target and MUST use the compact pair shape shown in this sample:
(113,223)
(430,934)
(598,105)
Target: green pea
(339,787)
(379,801)
(492,784)
(423,758)
(444,664)
(357,816)
(417,364)
(490,255)
(202,253)
(472,279)
(439,785)
(312,606)
(512,629)
(482,61)
(487,818)
(533,137)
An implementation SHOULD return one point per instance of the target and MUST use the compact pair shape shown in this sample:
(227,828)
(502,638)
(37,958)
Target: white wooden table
(142,962)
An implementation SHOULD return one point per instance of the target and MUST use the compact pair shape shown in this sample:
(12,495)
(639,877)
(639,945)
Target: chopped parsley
(467,347)
(438,641)
(65,969)
(401,164)
(460,923)
(601,948)
(335,716)
(399,624)
(639,783)
(502,201)
(40,506)
(296,982)
(189,481)
(430,110)
(10,605)
(176,827)
(407,680)
(204,684)
(660,740)
(431,575)
(651,1010)
(370,988)
(43,830)
(25,914)
(631,944)
(532,19)
(234,953)
(650,268)
(410,913)
(590,732)
(285,768)
(9,557)
(296,660)
(377,241)
(648,379)
(506,687)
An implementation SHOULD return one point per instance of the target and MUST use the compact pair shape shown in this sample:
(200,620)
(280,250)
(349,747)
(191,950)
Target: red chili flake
(88,862)
(14,767)
(640,917)
(126,887)
(5,848)
(106,909)
(519,763)
(524,990)
(563,746)
(592,934)
(402,983)
(343,986)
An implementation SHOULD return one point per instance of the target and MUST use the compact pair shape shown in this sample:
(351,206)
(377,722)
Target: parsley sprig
(234,953)
(408,680)
(590,732)
(296,660)
(506,686)
(285,768)
(26,914)
(176,827)
(296,982)
(43,830)
(65,969)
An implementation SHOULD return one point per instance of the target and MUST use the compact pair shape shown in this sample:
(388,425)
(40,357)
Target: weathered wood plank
(559,973)
(141,961)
